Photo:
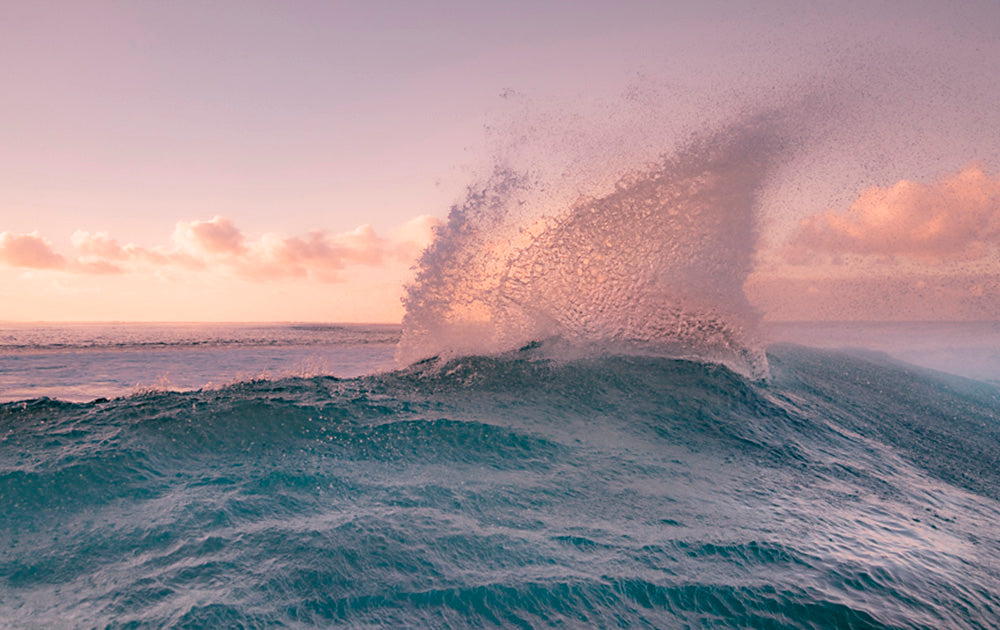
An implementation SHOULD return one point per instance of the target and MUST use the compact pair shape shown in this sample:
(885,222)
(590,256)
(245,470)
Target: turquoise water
(847,491)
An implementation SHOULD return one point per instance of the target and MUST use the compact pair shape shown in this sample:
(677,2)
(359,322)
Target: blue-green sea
(847,490)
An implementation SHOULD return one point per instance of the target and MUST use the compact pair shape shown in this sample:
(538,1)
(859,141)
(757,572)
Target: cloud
(315,254)
(218,237)
(30,251)
(218,245)
(99,253)
(99,245)
(956,218)
(414,236)
(323,255)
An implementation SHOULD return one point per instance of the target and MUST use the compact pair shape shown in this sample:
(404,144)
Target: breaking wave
(655,265)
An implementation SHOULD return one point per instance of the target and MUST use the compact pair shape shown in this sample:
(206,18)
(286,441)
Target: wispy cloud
(954,218)
(219,245)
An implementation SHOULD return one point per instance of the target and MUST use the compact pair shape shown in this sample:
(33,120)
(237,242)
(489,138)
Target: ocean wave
(513,490)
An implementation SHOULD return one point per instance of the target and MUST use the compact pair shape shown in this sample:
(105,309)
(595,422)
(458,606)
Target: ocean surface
(81,362)
(847,490)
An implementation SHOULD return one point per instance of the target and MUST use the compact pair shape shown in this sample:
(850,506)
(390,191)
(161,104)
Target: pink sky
(251,161)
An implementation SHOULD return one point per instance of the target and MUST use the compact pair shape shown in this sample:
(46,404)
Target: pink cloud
(361,246)
(99,245)
(218,245)
(956,217)
(99,253)
(317,254)
(30,251)
(295,256)
(218,236)
(414,236)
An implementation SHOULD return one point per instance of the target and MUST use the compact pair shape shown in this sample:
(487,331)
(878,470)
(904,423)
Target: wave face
(655,266)
(513,491)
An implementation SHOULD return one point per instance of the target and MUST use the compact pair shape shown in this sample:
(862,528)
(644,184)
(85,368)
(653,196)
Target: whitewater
(580,423)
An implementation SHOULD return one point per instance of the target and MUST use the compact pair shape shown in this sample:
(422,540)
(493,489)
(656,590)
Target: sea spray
(655,265)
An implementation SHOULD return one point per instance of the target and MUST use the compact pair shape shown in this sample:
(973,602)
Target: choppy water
(513,491)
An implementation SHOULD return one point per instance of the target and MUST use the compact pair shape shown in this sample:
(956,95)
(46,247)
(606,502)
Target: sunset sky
(275,161)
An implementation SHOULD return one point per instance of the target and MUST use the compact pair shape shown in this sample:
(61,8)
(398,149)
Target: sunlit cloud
(30,251)
(412,237)
(323,255)
(99,245)
(100,253)
(218,245)
(908,251)
(955,218)
(316,254)
(215,237)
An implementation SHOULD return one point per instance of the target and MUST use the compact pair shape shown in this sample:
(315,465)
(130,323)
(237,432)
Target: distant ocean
(578,425)
(85,361)
(81,362)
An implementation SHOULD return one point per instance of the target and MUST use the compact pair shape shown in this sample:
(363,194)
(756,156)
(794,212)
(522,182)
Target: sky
(288,161)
